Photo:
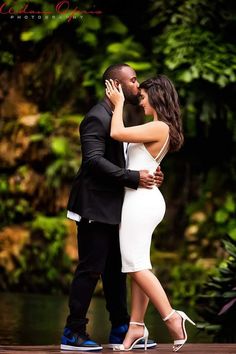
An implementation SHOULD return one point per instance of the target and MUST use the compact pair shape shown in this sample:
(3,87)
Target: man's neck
(108,102)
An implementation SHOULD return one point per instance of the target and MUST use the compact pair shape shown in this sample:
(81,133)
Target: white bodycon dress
(143,209)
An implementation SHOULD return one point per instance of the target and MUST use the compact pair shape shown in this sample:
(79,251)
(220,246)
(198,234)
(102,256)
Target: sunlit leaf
(232,233)
(221,216)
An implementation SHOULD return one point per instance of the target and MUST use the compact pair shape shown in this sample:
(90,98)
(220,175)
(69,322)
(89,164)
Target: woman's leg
(151,286)
(139,303)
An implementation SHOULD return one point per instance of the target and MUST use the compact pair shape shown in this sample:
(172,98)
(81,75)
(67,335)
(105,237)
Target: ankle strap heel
(169,316)
(144,337)
(178,343)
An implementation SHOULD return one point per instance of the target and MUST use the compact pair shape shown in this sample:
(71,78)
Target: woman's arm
(148,132)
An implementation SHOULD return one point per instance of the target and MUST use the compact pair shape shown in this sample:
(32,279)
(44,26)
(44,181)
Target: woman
(143,209)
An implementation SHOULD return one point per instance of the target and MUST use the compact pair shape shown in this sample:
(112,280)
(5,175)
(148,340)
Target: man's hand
(146,179)
(158,177)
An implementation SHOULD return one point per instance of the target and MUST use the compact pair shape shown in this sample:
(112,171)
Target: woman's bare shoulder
(159,125)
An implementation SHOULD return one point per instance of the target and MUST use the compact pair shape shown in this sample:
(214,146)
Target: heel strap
(136,323)
(169,316)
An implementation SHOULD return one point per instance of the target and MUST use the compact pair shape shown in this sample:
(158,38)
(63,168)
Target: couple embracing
(116,204)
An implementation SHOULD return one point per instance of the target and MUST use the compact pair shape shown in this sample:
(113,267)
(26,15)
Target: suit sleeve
(94,135)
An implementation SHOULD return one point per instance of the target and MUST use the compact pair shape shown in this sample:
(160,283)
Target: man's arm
(93,137)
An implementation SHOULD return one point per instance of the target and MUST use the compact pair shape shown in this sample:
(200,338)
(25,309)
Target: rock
(12,241)
(30,120)
(11,149)
(15,105)
(25,180)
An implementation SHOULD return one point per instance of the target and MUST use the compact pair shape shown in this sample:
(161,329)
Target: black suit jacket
(98,188)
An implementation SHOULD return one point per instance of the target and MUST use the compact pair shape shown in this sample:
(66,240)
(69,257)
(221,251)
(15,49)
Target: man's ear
(116,82)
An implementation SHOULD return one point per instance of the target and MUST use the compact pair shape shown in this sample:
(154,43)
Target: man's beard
(131,98)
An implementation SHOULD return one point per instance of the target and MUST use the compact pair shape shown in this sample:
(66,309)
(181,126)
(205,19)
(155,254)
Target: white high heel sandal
(178,343)
(121,348)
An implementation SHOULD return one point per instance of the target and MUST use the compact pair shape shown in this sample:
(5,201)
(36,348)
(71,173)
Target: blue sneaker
(75,341)
(117,336)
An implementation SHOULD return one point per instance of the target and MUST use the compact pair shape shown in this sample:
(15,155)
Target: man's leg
(114,284)
(93,246)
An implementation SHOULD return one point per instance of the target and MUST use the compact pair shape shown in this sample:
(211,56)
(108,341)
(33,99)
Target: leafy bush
(43,266)
(186,280)
(217,300)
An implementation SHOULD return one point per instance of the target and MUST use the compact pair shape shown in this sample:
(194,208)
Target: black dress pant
(99,255)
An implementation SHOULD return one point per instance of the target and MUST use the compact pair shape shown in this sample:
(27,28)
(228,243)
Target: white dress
(143,209)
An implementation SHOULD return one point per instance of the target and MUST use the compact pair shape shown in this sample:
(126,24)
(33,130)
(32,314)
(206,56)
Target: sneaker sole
(82,349)
(137,346)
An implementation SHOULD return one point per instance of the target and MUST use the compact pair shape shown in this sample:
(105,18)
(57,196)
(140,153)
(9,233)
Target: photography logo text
(62,8)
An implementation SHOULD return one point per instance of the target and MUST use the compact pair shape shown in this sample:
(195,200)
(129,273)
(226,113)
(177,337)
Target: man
(95,203)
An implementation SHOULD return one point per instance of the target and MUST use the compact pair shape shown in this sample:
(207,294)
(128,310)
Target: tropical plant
(44,265)
(217,300)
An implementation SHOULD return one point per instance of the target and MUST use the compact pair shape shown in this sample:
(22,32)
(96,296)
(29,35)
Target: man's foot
(117,337)
(75,341)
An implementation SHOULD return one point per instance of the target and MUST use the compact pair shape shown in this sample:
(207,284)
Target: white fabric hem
(135,269)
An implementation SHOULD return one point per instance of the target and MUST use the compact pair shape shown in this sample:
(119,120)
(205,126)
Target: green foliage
(46,123)
(14,210)
(65,164)
(57,66)
(214,219)
(51,162)
(60,146)
(44,265)
(199,55)
(181,277)
(186,280)
(51,228)
(115,26)
(215,223)
(117,46)
(67,67)
(225,218)
(6,58)
(37,33)
(191,40)
(3,184)
(217,299)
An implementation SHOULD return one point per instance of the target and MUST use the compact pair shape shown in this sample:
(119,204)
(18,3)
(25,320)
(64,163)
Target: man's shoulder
(100,110)
(99,113)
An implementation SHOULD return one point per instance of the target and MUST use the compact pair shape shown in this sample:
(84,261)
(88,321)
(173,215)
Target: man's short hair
(112,72)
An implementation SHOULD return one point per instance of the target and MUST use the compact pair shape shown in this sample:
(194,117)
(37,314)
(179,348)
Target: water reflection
(30,319)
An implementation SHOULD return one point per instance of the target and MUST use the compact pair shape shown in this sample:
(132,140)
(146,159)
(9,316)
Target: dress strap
(163,150)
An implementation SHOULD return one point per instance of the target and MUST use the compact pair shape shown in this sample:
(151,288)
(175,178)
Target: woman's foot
(134,332)
(175,322)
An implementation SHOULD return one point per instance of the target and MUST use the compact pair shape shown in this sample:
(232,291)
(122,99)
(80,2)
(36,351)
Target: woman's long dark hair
(163,98)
